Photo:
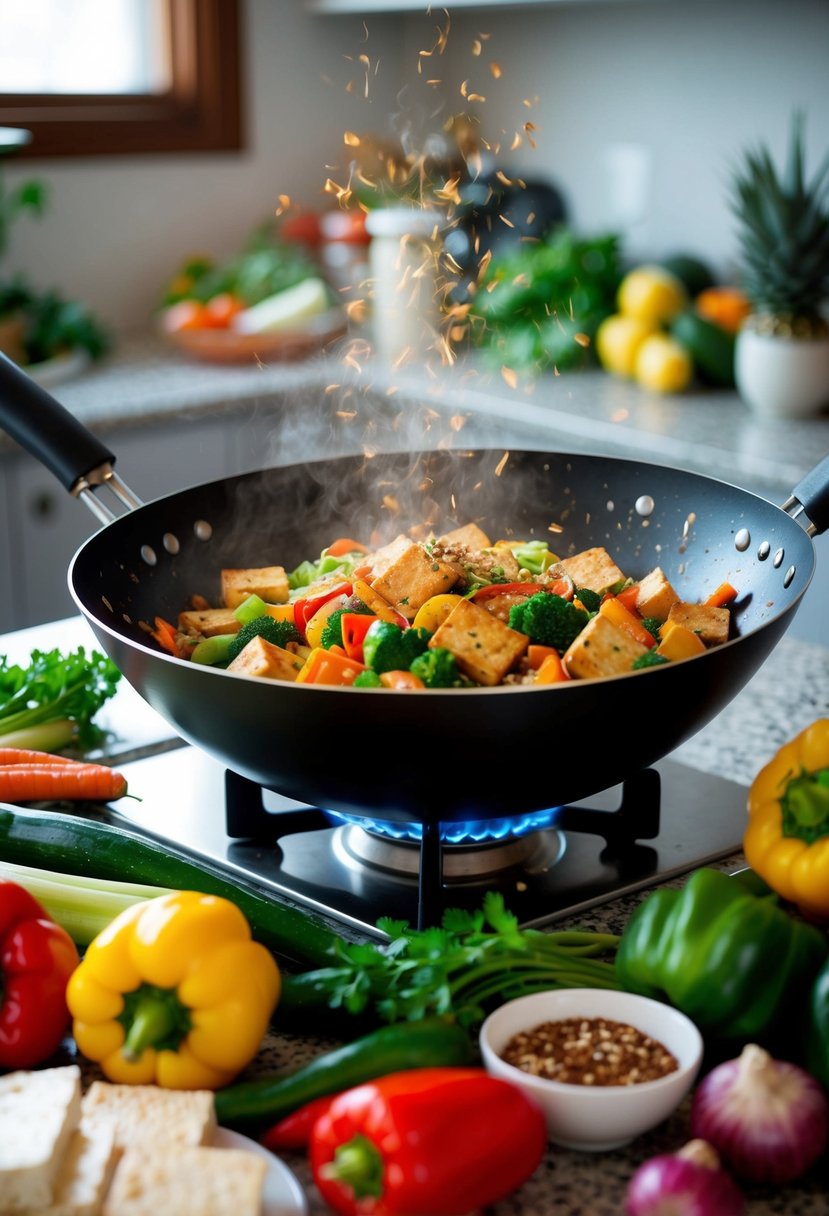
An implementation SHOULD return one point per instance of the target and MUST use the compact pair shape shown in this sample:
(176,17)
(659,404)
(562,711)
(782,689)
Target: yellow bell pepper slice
(786,840)
(174,992)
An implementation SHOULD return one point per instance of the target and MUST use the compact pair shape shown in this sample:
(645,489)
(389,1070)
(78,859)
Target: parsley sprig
(52,701)
(463,967)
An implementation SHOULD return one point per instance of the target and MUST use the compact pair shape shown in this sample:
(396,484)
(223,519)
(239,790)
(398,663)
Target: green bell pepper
(735,962)
(817,1028)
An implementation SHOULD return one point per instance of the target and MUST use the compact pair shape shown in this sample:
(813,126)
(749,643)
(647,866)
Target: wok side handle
(46,429)
(811,495)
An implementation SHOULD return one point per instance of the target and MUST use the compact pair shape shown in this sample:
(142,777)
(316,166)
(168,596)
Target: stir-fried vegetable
(455,611)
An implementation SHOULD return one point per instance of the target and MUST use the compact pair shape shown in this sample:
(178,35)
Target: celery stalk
(45,737)
(84,907)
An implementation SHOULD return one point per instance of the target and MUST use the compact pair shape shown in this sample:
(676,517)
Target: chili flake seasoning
(589,1051)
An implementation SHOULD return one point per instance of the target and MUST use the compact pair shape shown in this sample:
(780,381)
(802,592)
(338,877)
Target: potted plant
(782,350)
(38,327)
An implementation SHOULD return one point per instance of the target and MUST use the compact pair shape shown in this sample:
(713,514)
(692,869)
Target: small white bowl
(596,1118)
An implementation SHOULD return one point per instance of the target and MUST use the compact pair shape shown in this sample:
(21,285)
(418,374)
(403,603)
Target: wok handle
(811,494)
(47,430)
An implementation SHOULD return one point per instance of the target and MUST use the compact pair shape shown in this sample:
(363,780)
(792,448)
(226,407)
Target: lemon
(618,339)
(652,295)
(663,364)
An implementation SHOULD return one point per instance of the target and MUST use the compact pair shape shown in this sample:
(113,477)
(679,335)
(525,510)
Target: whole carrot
(27,755)
(44,782)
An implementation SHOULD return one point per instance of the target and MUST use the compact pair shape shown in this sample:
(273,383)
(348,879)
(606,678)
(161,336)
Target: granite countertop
(711,431)
(789,691)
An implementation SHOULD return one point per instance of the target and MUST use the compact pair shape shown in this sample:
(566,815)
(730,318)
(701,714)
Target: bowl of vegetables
(604,1066)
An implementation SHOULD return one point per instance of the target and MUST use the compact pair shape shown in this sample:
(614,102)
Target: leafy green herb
(538,307)
(52,702)
(471,962)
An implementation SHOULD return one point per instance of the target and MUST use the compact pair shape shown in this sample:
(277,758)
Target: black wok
(439,755)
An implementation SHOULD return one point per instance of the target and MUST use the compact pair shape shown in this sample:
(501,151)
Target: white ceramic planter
(782,377)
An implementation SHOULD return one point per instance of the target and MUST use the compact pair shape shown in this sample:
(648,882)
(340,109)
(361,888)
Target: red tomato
(304,228)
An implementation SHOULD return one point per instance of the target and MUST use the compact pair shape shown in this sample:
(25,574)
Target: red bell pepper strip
(37,958)
(305,608)
(629,597)
(438,1140)
(355,626)
(482,594)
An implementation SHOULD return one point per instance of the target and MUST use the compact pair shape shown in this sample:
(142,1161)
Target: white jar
(405,284)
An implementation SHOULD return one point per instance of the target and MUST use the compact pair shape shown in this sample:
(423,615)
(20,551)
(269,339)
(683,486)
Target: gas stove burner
(469,832)
(534,852)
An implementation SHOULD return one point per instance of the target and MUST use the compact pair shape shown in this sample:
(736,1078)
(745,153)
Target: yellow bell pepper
(787,837)
(174,992)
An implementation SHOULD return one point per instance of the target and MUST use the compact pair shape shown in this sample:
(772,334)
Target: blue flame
(469,831)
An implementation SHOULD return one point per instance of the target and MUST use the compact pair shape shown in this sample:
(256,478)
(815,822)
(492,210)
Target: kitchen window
(122,77)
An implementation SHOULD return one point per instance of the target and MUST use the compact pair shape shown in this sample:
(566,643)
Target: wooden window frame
(201,111)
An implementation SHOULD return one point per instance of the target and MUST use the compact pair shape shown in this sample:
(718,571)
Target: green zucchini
(710,347)
(433,1042)
(72,844)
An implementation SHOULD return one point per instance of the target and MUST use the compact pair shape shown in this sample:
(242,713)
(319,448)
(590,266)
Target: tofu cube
(39,1111)
(484,647)
(261,658)
(374,600)
(656,596)
(270,583)
(710,624)
(601,649)
(413,579)
(469,535)
(208,622)
(594,569)
(387,555)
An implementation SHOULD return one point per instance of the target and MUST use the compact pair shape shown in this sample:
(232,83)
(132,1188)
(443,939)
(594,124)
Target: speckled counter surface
(789,691)
(146,379)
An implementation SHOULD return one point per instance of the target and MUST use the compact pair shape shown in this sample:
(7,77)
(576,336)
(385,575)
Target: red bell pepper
(305,608)
(439,1140)
(37,958)
(294,1131)
(355,626)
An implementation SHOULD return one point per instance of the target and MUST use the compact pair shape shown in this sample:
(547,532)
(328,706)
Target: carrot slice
(165,634)
(343,545)
(723,595)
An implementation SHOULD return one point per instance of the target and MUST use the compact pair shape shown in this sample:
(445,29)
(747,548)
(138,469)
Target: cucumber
(433,1042)
(690,270)
(71,844)
(711,348)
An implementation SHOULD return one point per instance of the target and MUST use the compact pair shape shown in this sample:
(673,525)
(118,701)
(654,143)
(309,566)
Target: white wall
(686,83)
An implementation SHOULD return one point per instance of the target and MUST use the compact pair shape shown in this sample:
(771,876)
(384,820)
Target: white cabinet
(44,525)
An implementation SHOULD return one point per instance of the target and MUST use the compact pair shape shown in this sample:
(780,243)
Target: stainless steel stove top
(611,844)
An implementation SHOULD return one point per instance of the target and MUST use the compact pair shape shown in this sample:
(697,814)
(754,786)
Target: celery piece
(251,608)
(84,907)
(46,737)
(213,650)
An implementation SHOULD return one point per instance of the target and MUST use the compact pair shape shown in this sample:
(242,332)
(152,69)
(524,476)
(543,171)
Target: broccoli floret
(278,633)
(332,634)
(548,620)
(387,647)
(590,599)
(437,668)
(367,679)
(651,659)
(652,624)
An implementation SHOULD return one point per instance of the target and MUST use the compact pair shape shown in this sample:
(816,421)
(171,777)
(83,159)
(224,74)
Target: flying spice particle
(495,70)
(284,203)
(582,339)
(351,140)
(502,464)
(477,47)
(509,376)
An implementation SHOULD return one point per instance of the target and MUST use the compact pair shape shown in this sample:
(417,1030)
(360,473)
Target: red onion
(768,1119)
(687,1183)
